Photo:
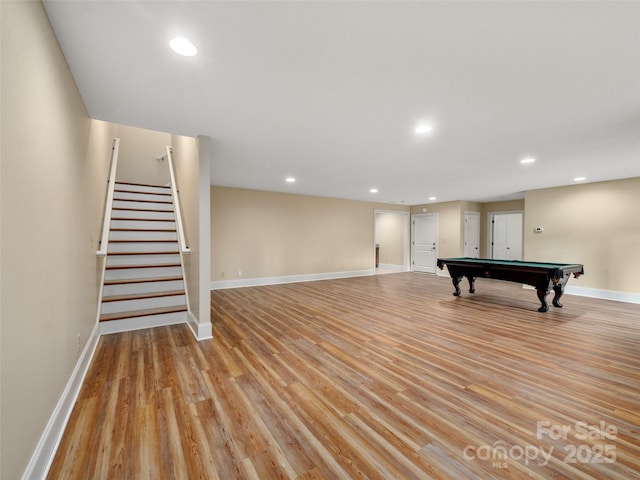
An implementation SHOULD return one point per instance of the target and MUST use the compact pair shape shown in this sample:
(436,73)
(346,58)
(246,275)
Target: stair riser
(129,273)
(142,304)
(141,259)
(155,215)
(145,197)
(165,207)
(142,188)
(139,235)
(143,247)
(143,225)
(141,288)
(142,322)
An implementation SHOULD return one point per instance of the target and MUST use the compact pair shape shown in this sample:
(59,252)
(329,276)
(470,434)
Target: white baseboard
(598,293)
(202,331)
(45,450)
(255,282)
(603,294)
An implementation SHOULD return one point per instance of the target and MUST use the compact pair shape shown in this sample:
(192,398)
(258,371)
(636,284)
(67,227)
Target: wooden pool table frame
(543,276)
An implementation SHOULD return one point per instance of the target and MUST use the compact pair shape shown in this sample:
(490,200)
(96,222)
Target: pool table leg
(472,288)
(456,285)
(558,290)
(542,296)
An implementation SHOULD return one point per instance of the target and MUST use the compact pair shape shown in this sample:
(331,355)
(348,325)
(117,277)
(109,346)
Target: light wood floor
(387,376)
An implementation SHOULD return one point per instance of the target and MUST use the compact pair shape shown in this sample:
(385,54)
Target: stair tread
(142,229)
(126,281)
(138,265)
(139,219)
(142,313)
(166,252)
(142,185)
(130,209)
(141,296)
(142,192)
(164,202)
(137,240)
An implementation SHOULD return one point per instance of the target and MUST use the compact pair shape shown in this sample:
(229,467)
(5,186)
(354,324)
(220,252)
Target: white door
(506,237)
(425,242)
(471,234)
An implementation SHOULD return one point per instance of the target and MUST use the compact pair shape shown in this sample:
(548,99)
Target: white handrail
(176,203)
(104,242)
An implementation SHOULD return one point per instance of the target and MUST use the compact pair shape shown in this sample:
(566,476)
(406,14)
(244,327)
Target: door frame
(437,217)
(406,232)
(490,216)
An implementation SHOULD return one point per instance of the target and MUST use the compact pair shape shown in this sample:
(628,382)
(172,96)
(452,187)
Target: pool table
(540,275)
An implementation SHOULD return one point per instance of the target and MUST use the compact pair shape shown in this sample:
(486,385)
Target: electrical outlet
(239,273)
(221,274)
(78,345)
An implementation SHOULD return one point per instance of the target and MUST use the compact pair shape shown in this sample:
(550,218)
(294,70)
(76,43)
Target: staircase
(143,281)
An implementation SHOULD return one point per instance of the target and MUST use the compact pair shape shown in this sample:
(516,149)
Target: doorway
(506,235)
(391,241)
(425,242)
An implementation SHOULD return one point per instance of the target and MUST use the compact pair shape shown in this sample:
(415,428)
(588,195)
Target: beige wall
(595,224)
(389,235)
(185,160)
(55,162)
(137,158)
(265,234)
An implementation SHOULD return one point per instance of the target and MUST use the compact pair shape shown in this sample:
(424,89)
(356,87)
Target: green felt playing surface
(514,263)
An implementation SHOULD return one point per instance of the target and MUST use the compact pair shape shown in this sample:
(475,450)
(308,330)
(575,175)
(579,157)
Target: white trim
(45,451)
(599,293)
(311,277)
(603,294)
(201,331)
(139,323)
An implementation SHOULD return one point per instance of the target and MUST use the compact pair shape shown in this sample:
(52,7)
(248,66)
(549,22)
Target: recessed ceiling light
(432,198)
(373,190)
(528,160)
(579,179)
(423,129)
(183,47)
(290,179)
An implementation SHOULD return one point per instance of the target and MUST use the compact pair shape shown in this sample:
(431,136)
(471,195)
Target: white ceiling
(330,91)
